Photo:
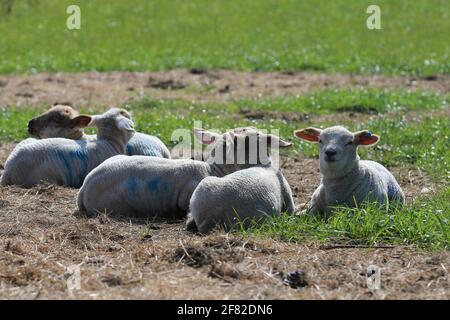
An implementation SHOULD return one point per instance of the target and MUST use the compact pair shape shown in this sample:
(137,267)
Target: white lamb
(155,187)
(58,122)
(67,162)
(347,180)
(243,197)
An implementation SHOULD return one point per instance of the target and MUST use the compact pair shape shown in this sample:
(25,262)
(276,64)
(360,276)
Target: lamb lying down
(243,197)
(67,162)
(347,180)
(154,187)
(58,122)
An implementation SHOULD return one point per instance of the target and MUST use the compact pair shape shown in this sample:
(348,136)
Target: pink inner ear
(366,140)
(308,135)
(81,121)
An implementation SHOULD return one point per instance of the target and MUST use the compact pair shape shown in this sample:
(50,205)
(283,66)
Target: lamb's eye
(349,143)
(320,140)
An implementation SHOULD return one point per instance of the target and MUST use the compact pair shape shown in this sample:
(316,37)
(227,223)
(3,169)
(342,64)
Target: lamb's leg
(80,202)
(190,224)
(316,205)
(289,206)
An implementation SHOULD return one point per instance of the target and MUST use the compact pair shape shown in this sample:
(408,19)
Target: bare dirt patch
(91,89)
(43,240)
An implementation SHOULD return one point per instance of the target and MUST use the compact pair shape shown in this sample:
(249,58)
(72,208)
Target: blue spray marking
(157,185)
(79,156)
(132,186)
(130,149)
(83,163)
(64,157)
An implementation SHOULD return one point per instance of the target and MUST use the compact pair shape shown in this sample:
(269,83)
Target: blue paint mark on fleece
(130,149)
(64,157)
(132,186)
(157,185)
(75,166)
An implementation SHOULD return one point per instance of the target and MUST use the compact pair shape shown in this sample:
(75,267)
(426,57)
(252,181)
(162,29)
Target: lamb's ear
(277,141)
(309,134)
(124,123)
(206,137)
(365,138)
(80,121)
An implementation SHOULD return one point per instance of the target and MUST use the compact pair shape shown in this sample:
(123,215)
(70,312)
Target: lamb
(141,186)
(67,162)
(243,197)
(347,180)
(58,122)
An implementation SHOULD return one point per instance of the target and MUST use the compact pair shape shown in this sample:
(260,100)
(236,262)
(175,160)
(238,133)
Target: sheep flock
(121,172)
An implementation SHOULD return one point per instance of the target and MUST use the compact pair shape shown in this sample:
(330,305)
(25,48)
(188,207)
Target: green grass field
(326,36)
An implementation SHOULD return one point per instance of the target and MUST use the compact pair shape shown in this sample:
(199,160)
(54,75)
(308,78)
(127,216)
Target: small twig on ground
(184,249)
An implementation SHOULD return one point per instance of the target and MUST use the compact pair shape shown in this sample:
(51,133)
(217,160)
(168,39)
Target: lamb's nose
(30,125)
(330,153)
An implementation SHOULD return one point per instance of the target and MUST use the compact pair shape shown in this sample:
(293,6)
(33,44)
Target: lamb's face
(240,146)
(57,122)
(116,120)
(337,146)
(249,146)
(337,149)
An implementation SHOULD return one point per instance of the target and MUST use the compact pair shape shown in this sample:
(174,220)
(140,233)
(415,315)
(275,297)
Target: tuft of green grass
(425,223)
(325,36)
(13,123)
(420,143)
